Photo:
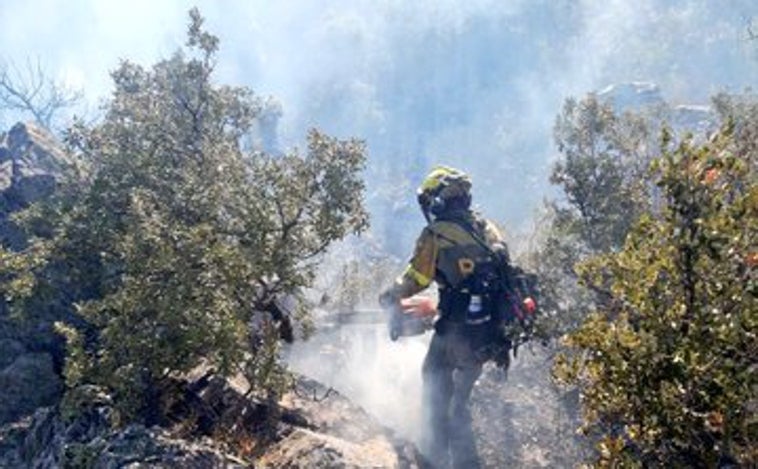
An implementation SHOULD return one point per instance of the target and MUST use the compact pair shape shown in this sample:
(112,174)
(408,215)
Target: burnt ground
(525,421)
(522,422)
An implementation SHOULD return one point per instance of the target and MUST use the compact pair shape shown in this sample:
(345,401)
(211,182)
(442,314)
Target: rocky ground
(522,421)
(215,427)
(525,421)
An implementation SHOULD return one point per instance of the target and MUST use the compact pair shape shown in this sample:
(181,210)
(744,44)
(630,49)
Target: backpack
(503,288)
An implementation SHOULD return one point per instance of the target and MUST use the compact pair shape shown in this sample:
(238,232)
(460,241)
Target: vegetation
(602,179)
(665,361)
(167,236)
(31,91)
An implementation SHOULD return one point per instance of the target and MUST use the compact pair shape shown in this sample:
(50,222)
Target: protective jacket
(466,256)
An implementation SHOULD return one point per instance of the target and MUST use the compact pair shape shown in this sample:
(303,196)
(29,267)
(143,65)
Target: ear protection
(432,203)
(425,201)
(437,205)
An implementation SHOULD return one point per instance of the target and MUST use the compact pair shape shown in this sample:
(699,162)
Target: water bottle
(475,305)
(475,313)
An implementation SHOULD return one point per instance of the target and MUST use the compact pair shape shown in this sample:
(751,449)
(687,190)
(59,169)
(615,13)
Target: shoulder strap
(475,235)
(504,266)
(440,235)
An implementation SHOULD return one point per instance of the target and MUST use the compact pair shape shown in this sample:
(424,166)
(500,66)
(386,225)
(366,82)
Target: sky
(476,84)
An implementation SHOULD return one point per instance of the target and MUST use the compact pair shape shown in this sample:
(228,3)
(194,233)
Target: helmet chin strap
(425,204)
(425,209)
(432,207)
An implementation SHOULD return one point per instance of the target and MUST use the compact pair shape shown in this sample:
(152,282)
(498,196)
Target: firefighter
(468,259)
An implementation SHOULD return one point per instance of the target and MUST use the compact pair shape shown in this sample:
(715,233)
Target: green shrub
(667,365)
(168,235)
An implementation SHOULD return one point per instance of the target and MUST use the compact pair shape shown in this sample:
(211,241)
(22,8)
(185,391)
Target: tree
(604,156)
(667,366)
(167,236)
(32,91)
(601,176)
(743,111)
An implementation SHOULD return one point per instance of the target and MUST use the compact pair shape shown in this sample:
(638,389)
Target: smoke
(474,84)
(351,350)
(361,362)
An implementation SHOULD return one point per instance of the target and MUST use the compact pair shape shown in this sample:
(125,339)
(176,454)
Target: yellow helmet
(443,185)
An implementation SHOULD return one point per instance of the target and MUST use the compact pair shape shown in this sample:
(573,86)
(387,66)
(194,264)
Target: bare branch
(313,396)
(31,90)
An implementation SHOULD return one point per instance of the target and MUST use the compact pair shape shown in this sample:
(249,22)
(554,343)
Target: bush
(667,365)
(167,236)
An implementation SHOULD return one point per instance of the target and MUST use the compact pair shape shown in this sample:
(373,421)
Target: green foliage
(80,455)
(600,172)
(604,156)
(742,110)
(168,235)
(17,276)
(667,365)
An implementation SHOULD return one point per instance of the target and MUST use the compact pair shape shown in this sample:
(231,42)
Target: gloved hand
(419,306)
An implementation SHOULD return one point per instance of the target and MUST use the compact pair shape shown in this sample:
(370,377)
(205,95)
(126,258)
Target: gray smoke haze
(475,84)
(362,363)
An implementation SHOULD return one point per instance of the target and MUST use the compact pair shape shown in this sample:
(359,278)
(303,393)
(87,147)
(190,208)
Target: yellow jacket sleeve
(420,270)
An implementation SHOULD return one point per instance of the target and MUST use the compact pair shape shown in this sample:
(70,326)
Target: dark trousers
(449,372)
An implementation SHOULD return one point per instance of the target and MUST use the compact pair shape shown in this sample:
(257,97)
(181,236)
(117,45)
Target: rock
(317,427)
(137,446)
(29,372)
(342,430)
(36,148)
(305,448)
(646,98)
(696,119)
(27,383)
(298,432)
(628,96)
(30,158)
(30,161)
(45,441)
